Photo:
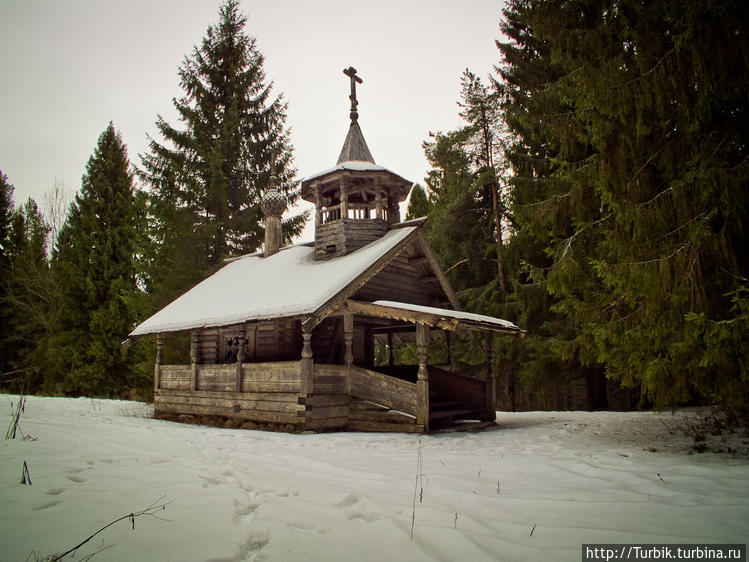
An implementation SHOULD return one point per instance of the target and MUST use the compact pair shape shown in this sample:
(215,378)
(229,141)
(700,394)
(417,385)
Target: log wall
(343,236)
(270,393)
(275,340)
(398,281)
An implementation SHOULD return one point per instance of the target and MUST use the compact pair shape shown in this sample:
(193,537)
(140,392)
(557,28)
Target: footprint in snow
(347,501)
(55,491)
(45,505)
(76,479)
(241,510)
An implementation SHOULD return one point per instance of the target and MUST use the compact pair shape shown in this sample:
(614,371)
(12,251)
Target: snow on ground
(534,489)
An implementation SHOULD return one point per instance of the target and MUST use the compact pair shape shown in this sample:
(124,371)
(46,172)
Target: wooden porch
(341,398)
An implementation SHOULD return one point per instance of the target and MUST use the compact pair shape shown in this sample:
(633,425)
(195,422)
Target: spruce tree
(95,269)
(208,176)
(418,204)
(7,211)
(646,122)
(29,293)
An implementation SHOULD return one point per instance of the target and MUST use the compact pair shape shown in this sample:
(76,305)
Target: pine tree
(480,108)
(95,269)
(208,177)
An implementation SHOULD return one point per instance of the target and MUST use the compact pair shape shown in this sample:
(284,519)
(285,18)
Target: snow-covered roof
(288,283)
(356,165)
(457,314)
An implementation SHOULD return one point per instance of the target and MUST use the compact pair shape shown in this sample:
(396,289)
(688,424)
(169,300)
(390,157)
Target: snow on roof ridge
(459,314)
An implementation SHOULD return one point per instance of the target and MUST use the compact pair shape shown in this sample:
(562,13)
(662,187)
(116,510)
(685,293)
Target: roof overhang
(391,181)
(441,318)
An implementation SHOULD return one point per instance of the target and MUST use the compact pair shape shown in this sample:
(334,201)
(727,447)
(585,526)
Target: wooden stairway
(451,414)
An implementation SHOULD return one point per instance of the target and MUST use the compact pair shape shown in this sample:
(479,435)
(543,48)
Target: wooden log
(326,424)
(247,396)
(320,413)
(257,416)
(385,427)
(228,403)
(321,400)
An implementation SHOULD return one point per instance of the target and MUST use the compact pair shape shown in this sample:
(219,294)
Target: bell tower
(356,201)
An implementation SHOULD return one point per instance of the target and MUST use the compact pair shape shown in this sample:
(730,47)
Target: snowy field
(534,489)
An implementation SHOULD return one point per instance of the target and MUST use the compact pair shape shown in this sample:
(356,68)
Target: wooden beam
(194,359)
(401,314)
(491,377)
(159,356)
(348,338)
(418,260)
(444,283)
(429,279)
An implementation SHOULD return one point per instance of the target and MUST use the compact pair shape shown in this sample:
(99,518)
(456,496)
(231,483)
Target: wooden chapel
(302,337)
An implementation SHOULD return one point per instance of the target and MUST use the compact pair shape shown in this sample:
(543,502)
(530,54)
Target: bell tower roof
(355,147)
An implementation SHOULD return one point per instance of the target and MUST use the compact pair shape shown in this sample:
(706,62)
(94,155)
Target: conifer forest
(596,194)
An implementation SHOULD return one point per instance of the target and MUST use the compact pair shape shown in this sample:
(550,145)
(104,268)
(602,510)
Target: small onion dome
(273,203)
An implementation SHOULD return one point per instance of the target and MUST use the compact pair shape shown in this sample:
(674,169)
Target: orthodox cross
(351,73)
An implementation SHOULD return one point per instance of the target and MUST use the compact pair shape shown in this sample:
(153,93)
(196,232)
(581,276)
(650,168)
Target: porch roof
(432,316)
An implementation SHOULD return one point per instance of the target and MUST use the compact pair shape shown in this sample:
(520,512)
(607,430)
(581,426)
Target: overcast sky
(69,67)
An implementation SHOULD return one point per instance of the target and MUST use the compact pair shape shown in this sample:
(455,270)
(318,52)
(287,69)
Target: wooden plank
(327,412)
(326,424)
(384,427)
(225,403)
(318,400)
(383,416)
(388,391)
(256,396)
(258,416)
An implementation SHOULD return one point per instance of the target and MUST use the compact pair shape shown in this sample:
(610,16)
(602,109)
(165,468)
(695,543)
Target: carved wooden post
(378,205)
(318,206)
(348,338)
(422,384)
(394,214)
(344,201)
(491,378)
(307,366)
(241,356)
(159,355)
(194,358)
